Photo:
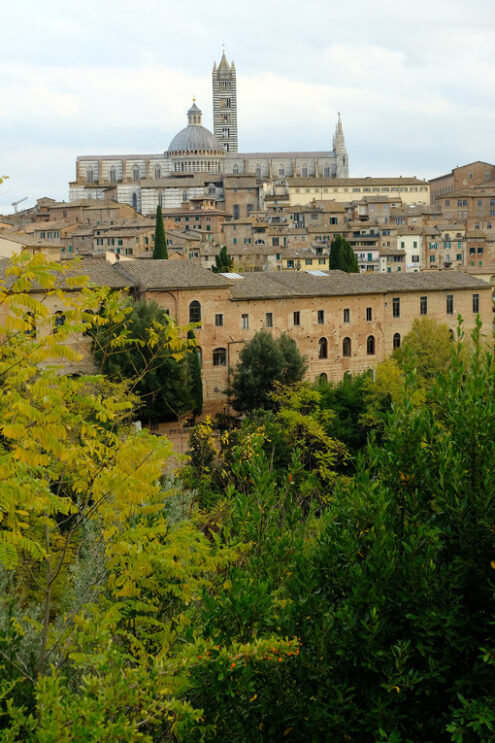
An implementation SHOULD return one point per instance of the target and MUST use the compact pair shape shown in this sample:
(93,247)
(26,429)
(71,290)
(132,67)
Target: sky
(414,81)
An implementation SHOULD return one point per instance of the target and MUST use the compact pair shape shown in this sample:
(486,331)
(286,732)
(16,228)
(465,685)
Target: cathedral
(198,159)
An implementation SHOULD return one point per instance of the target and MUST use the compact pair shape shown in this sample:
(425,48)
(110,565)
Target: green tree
(428,347)
(264,361)
(342,256)
(194,364)
(223,262)
(160,249)
(144,349)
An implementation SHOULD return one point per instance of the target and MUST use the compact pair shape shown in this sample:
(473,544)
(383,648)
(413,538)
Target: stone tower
(340,151)
(225,104)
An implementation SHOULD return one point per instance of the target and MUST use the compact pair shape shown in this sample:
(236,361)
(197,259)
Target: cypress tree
(336,253)
(342,256)
(160,249)
(223,262)
(194,365)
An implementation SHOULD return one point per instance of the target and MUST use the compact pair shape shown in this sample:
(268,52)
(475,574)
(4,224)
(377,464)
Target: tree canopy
(342,256)
(264,361)
(143,348)
(223,262)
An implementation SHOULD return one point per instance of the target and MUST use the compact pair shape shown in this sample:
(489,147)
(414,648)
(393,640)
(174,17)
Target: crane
(15,203)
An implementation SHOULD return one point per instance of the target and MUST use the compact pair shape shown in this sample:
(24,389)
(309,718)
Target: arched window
(158,173)
(258,173)
(88,317)
(30,324)
(160,198)
(199,351)
(323,377)
(451,333)
(370,345)
(195,311)
(346,347)
(135,173)
(58,320)
(113,175)
(396,340)
(219,357)
(322,348)
(90,176)
(134,200)
(235,170)
(304,172)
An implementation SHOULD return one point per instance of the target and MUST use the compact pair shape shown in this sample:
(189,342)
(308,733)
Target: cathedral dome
(195,137)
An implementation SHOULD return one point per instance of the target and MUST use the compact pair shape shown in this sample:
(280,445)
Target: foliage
(342,256)
(264,361)
(223,262)
(98,622)
(160,248)
(144,348)
(194,371)
(428,347)
(428,350)
(346,399)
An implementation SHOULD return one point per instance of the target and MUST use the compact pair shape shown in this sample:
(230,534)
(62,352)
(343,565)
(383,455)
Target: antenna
(15,203)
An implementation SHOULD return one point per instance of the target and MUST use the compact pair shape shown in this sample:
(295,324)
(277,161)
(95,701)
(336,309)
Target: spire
(340,151)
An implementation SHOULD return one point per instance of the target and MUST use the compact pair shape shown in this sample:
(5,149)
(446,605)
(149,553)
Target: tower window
(396,340)
(346,347)
(370,345)
(322,348)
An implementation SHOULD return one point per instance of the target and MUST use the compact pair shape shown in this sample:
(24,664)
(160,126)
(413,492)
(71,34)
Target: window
(237,211)
(322,348)
(195,311)
(219,357)
(346,347)
(347,315)
(450,304)
(369,314)
(58,321)
(219,320)
(321,317)
(423,305)
(396,340)
(370,345)
(269,320)
(245,322)
(90,175)
(297,318)
(476,302)
(30,320)
(113,175)
(396,307)
(415,259)
(135,173)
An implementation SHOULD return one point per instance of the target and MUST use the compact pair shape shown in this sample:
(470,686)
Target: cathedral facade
(197,159)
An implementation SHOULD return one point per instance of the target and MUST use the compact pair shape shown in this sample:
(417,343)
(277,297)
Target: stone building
(341,322)
(144,181)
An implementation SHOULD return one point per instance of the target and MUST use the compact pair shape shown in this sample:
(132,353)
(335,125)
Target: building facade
(145,181)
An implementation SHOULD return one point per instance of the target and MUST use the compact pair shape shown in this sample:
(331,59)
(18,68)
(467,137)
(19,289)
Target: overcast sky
(414,81)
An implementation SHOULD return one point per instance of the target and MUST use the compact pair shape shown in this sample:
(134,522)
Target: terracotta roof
(336,283)
(164,274)
(97,270)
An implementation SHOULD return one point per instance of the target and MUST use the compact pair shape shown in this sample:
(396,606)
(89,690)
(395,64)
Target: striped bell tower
(225,104)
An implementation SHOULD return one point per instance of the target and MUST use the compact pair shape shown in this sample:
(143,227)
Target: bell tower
(225,104)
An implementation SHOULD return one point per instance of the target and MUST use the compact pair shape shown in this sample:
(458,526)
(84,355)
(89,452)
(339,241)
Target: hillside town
(247,409)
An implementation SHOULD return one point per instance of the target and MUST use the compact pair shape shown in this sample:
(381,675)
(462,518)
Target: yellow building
(303,190)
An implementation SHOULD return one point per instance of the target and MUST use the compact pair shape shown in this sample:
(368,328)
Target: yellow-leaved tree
(101,575)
